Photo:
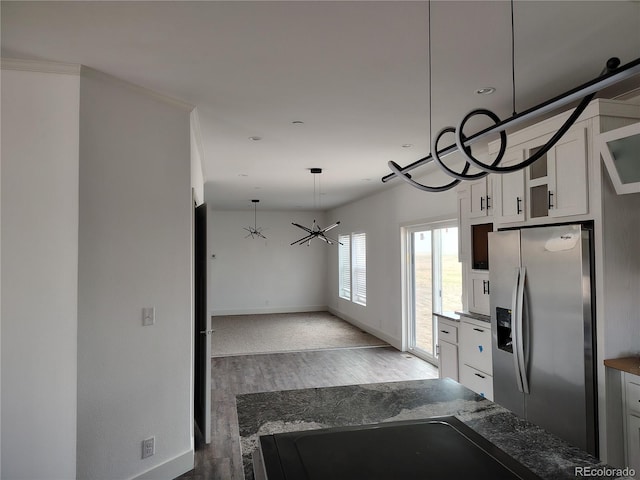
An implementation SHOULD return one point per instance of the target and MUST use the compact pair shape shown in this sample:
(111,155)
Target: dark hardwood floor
(221,459)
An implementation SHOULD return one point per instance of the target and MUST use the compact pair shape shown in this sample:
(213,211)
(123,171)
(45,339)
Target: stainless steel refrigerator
(542,321)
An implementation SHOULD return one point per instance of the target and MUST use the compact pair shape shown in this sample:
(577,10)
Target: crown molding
(41,66)
(92,72)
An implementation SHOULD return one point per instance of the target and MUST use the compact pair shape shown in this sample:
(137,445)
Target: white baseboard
(170,469)
(394,342)
(258,311)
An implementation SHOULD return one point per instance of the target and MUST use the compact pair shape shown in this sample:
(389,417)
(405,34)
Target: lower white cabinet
(632,421)
(479,382)
(447,348)
(475,358)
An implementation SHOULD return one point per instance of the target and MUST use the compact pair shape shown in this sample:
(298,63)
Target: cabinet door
(568,175)
(509,190)
(633,443)
(479,293)
(478,198)
(478,381)
(475,347)
(448,360)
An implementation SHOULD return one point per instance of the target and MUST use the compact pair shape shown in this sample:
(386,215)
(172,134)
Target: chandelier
(255,231)
(613,73)
(315,231)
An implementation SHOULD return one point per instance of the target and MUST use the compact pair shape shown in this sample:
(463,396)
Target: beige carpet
(285,332)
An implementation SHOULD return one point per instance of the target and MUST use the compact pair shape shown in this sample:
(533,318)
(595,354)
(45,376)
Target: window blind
(359,268)
(344,265)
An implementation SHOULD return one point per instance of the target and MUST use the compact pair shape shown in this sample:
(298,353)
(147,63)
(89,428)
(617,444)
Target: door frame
(201,325)
(408,326)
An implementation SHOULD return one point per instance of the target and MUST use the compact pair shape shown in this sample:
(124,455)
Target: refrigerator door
(504,258)
(559,342)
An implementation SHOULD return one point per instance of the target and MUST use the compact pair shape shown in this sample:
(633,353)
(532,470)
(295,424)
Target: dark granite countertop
(315,408)
(452,316)
(475,316)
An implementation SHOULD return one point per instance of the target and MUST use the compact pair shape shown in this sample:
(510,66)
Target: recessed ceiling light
(255,139)
(297,122)
(407,145)
(366,179)
(243,175)
(485,91)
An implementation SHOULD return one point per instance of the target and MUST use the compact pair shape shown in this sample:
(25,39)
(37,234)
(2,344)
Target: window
(352,266)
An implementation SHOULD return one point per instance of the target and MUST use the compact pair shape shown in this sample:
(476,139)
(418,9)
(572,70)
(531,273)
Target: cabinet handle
(445,331)
(488,204)
(479,330)
(437,350)
(478,375)
(518,209)
(481,203)
(550,199)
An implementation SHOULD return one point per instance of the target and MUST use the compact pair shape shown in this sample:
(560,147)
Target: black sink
(427,449)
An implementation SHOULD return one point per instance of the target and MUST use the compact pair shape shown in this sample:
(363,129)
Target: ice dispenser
(503,317)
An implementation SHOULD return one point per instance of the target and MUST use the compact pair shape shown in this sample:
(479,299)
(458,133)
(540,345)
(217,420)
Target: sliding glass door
(434,282)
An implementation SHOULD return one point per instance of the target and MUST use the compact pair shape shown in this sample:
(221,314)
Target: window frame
(352,267)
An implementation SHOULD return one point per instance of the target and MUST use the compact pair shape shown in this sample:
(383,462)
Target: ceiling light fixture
(407,145)
(255,139)
(297,122)
(612,74)
(315,231)
(255,231)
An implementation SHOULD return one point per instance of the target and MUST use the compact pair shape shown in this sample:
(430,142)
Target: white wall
(197,174)
(39,274)
(381,216)
(254,275)
(134,382)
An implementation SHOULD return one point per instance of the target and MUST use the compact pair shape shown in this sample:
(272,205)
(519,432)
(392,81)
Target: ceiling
(356,73)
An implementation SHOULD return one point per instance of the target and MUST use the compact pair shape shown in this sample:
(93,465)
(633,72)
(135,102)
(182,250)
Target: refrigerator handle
(522,367)
(515,335)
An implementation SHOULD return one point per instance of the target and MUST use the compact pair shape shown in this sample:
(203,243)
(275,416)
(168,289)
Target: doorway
(433,283)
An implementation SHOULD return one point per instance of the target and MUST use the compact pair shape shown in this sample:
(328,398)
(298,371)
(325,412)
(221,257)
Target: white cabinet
(568,184)
(554,186)
(510,190)
(632,421)
(481,197)
(478,294)
(475,358)
(447,348)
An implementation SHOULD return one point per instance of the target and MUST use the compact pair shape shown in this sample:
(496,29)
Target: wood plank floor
(221,460)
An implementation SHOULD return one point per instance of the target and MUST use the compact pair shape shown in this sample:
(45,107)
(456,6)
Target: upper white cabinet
(510,190)
(568,184)
(554,186)
(481,197)
(620,149)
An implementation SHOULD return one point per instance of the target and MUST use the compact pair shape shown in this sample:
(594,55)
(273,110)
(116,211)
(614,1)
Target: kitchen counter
(316,408)
(475,316)
(452,316)
(627,364)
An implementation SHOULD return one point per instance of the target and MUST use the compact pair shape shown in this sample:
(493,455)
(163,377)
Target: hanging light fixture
(315,231)
(255,231)
(613,73)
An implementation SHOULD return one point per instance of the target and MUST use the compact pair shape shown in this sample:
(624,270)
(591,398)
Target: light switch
(148,316)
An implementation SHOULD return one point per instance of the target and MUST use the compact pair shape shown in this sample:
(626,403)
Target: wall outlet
(148,447)
(148,316)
